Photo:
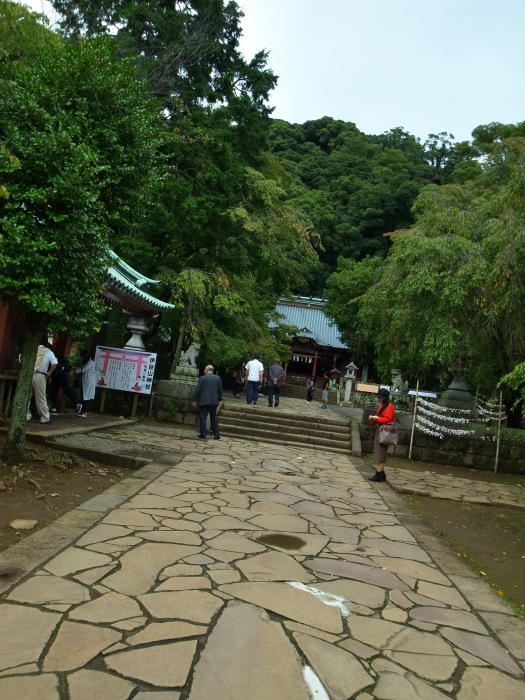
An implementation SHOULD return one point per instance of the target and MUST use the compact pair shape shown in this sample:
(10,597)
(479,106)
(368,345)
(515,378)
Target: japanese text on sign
(125,370)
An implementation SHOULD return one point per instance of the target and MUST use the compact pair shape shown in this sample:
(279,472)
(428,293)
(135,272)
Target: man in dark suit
(208,396)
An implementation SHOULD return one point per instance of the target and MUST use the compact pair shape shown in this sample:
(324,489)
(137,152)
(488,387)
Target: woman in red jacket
(385,414)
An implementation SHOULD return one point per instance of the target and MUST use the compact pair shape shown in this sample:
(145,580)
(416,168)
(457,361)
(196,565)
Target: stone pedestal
(457,394)
(178,391)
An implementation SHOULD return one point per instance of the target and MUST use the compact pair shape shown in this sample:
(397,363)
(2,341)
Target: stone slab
(24,632)
(226,668)
(339,671)
(165,665)
(289,602)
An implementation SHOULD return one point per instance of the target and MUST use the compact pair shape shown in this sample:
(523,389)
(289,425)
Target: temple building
(317,347)
(126,288)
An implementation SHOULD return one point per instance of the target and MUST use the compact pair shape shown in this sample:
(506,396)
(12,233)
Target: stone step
(277,423)
(280,416)
(299,392)
(284,427)
(309,441)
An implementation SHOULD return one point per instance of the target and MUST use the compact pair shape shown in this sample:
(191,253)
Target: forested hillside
(170,148)
(357,187)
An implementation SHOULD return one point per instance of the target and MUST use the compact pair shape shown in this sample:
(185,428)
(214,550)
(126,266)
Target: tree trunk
(16,437)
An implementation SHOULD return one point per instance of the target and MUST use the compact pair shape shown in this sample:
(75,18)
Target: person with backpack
(310,388)
(45,365)
(60,380)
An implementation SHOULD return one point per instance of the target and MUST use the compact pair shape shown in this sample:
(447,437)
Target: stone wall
(461,452)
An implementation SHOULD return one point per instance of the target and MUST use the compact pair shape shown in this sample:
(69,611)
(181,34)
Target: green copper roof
(129,282)
(307,313)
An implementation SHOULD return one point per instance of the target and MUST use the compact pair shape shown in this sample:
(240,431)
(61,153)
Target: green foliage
(84,135)
(23,34)
(452,287)
(344,291)
(515,380)
(353,187)
(231,242)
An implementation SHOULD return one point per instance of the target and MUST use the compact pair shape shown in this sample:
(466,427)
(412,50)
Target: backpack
(330,385)
(39,356)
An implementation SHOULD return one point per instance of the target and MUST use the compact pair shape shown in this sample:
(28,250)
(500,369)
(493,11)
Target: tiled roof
(307,313)
(129,282)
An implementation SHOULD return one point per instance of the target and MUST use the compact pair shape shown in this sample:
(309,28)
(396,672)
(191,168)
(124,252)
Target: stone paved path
(231,570)
(454,488)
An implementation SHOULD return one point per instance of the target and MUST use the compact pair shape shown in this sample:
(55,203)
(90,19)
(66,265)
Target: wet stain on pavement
(282,541)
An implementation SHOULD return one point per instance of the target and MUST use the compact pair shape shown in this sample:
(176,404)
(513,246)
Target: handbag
(388,434)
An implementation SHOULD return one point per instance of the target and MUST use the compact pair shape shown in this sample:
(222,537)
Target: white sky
(425,65)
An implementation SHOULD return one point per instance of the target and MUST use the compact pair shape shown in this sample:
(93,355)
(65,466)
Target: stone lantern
(350,376)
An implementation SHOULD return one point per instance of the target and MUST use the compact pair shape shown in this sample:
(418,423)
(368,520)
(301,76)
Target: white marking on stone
(335,601)
(314,685)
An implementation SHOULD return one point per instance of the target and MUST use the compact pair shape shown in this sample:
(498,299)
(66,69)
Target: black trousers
(203,415)
(273,390)
(61,381)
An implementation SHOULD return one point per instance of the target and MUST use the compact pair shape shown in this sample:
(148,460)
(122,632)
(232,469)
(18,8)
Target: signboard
(368,388)
(125,370)
(425,394)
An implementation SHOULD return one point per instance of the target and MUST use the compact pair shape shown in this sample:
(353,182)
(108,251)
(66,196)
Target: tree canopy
(451,288)
(231,244)
(85,136)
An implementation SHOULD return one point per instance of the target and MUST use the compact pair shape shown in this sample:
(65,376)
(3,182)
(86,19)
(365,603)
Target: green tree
(452,286)
(354,188)
(344,292)
(230,245)
(226,283)
(85,135)
(21,36)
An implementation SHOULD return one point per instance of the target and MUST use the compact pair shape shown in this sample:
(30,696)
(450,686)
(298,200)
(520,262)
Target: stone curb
(112,459)
(22,558)
(478,500)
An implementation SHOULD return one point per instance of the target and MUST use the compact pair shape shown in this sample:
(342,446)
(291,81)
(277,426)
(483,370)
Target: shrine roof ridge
(129,282)
(307,313)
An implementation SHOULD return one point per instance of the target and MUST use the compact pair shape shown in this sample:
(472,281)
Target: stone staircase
(299,392)
(276,425)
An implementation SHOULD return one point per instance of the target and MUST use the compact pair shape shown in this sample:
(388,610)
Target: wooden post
(475,407)
(413,421)
(499,431)
(102,401)
(134,406)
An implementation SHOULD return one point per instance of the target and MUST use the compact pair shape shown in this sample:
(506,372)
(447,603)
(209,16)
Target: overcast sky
(425,65)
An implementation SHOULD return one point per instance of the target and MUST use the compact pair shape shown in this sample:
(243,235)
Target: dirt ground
(49,484)
(489,538)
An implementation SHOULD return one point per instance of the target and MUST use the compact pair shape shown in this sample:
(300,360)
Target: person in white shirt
(254,377)
(87,382)
(45,364)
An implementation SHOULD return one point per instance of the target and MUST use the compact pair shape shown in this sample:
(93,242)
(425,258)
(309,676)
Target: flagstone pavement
(235,570)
